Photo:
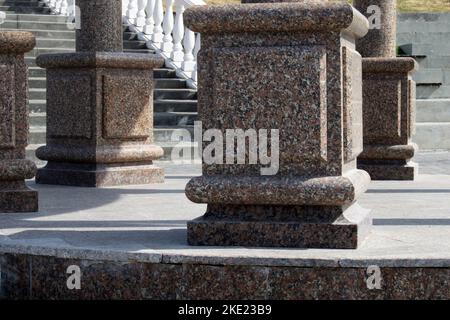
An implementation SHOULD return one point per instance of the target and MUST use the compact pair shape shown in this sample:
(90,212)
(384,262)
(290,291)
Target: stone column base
(390,170)
(99,175)
(22,199)
(389,162)
(281,226)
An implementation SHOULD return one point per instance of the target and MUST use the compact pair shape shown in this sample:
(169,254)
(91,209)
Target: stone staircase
(423,36)
(175,104)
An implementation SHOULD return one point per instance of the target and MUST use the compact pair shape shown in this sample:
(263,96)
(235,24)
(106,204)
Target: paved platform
(147,225)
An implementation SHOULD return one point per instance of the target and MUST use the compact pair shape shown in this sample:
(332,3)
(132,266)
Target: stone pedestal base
(99,175)
(389,162)
(21,199)
(281,226)
(390,170)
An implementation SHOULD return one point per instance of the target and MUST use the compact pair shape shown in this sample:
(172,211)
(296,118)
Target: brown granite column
(99,107)
(259,68)
(15,196)
(388,97)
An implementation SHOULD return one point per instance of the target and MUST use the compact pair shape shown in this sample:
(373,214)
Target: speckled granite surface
(389,99)
(15,196)
(101,26)
(130,243)
(261,69)
(99,107)
(381,39)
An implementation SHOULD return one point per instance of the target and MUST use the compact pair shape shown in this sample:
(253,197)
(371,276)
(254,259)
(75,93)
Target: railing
(164,31)
(61,7)
(160,24)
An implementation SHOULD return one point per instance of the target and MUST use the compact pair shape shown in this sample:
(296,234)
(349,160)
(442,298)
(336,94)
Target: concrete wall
(426,37)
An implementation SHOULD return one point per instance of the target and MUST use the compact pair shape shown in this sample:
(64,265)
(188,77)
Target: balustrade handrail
(162,30)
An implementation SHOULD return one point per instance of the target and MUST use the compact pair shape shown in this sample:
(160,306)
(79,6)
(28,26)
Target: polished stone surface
(389,95)
(284,75)
(101,28)
(99,107)
(381,39)
(148,223)
(15,196)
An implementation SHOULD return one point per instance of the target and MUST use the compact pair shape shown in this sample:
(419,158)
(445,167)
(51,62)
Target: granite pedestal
(261,69)
(99,107)
(15,196)
(388,98)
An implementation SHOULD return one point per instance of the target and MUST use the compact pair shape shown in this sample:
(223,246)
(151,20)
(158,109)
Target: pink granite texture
(15,196)
(388,99)
(99,107)
(261,69)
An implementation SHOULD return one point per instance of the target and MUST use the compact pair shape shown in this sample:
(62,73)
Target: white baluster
(64,7)
(178,34)
(158,17)
(189,43)
(71,8)
(132,11)
(58,6)
(167,45)
(140,20)
(196,50)
(125,4)
(149,23)
(52,4)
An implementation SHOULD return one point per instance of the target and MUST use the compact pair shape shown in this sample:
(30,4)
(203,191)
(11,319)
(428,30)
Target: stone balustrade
(160,23)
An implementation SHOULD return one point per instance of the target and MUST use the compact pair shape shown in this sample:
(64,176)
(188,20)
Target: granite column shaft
(15,196)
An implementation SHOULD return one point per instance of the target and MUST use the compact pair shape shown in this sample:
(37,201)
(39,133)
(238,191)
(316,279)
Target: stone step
(40,82)
(129,35)
(37,106)
(19,3)
(36,72)
(50,34)
(174,119)
(35,3)
(37,119)
(165,73)
(161,119)
(422,37)
(432,136)
(38,51)
(433,92)
(441,61)
(37,93)
(429,77)
(37,82)
(55,43)
(170,83)
(433,110)
(24,9)
(37,135)
(36,18)
(175,106)
(35,25)
(175,94)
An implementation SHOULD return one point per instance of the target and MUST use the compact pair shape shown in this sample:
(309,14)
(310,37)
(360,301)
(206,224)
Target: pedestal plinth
(99,120)
(389,95)
(15,196)
(260,69)
(99,107)
(389,118)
